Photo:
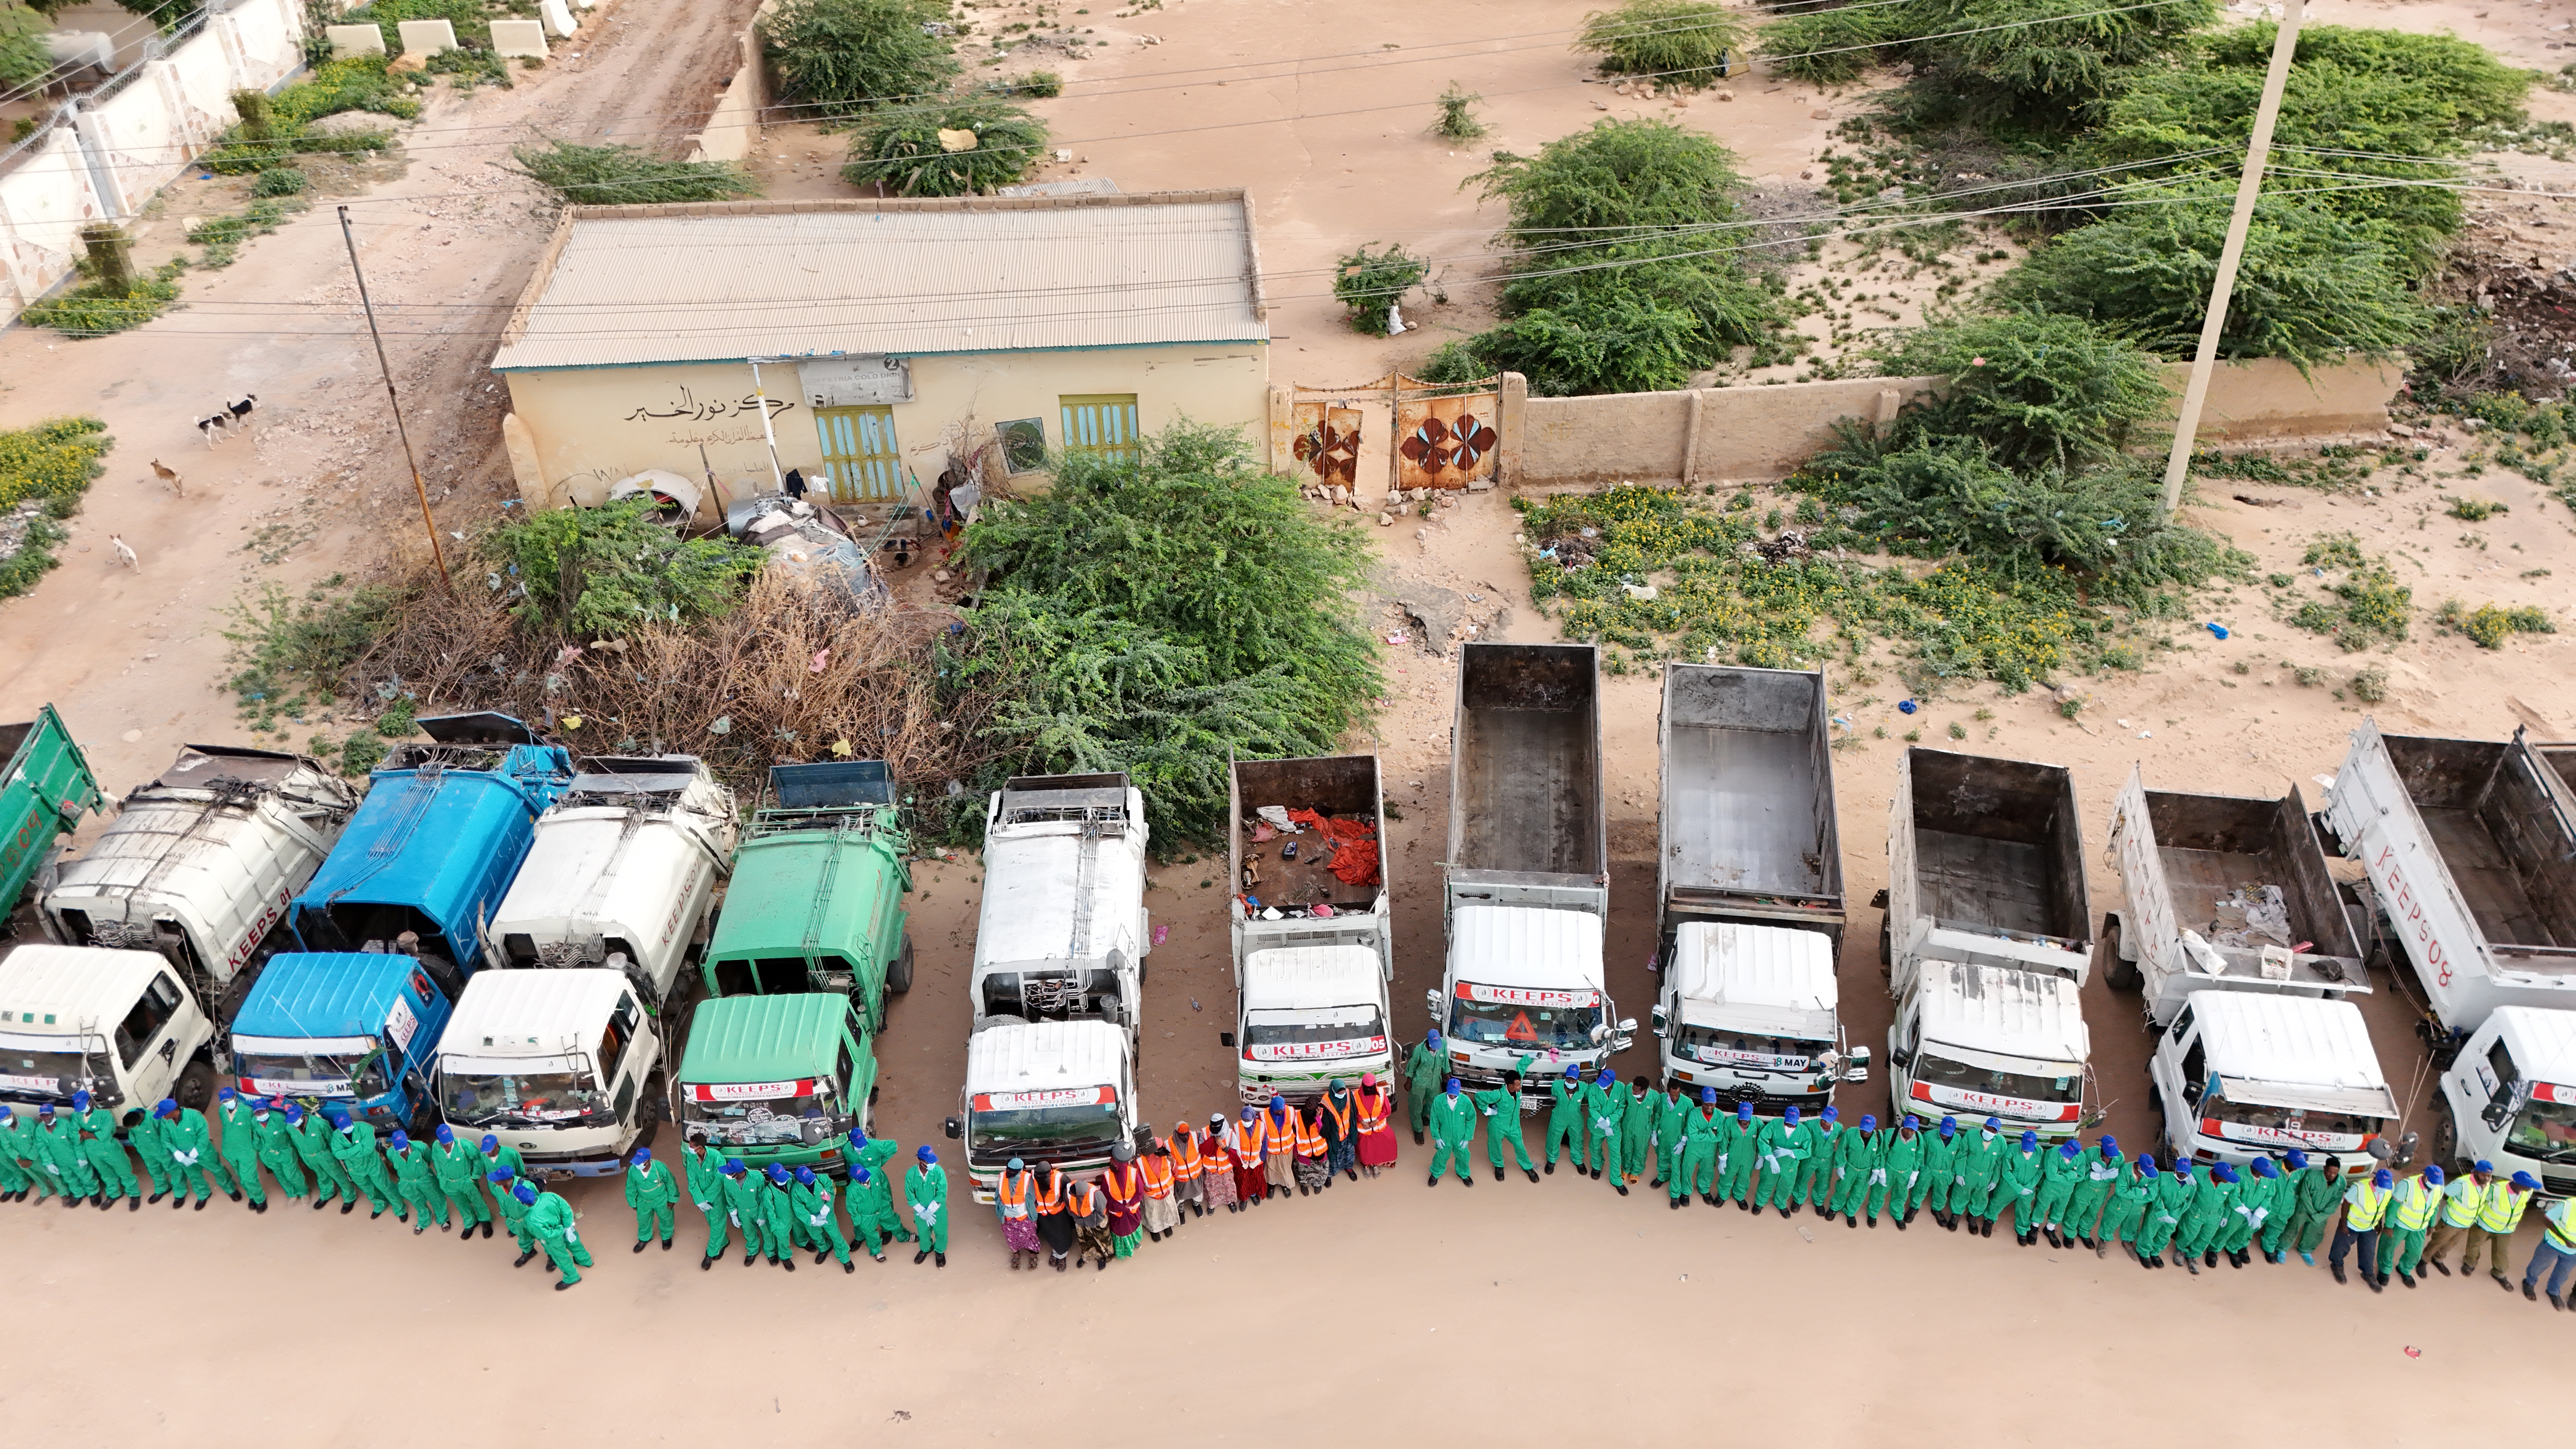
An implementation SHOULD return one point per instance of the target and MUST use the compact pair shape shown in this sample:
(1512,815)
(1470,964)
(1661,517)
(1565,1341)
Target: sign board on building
(849,382)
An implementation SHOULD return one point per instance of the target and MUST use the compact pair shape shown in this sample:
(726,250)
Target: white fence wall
(105,155)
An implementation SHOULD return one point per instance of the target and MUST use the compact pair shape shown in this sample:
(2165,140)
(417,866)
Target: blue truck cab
(433,848)
(357,1030)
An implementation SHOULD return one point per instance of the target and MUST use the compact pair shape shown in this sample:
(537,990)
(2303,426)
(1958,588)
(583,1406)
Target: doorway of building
(860,460)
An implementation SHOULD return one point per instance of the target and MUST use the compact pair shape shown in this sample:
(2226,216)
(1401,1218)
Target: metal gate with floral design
(1444,434)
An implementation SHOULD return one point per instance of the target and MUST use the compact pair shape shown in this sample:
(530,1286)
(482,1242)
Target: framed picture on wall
(1023,444)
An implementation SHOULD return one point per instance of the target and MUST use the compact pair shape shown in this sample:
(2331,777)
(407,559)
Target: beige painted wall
(1716,434)
(588,428)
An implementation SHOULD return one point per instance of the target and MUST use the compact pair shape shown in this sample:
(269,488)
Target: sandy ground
(1924,1335)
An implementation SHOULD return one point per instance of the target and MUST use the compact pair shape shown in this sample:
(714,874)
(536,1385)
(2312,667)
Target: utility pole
(777,480)
(2258,154)
(437,555)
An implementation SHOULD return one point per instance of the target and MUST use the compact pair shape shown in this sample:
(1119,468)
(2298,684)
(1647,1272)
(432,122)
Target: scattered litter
(1397,637)
(2217,629)
(2411,1350)
(2323,781)
(2250,916)
(1810,1237)
(1277,816)
(1642,593)
(2124,724)
(1906,706)
(822,657)
(721,725)
(1194,1003)
(1162,934)
(2146,734)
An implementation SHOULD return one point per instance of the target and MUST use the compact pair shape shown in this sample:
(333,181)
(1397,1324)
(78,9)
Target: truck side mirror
(1857,1065)
(1628,1026)
(1600,1034)
(1225,1038)
(952,1129)
(1657,1017)
(1899,1057)
(1431,999)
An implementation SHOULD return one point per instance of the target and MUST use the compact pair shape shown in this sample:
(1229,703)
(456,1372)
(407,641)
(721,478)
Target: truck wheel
(2118,973)
(899,975)
(2446,1141)
(196,1086)
(1886,944)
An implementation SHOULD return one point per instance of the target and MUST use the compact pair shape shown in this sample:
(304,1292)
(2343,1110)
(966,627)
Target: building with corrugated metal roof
(892,338)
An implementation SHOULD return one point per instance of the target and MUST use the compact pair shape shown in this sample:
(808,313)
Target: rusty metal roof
(723,281)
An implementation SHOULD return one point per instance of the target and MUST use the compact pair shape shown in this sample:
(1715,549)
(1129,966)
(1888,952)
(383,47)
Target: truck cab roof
(542,1011)
(1769,979)
(2292,1051)
(1038,831)
(1526,946)
(2542,1041)
(757,1038)
(308,995)
(1018,1056)
(2026,1014)
(1291,978)
(62,988)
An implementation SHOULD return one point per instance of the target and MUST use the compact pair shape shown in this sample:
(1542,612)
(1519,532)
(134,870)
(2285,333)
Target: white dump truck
(201,863)
(120,1025)
(565,1065)
(2511,1091)
(1051,1093)
(1985,865)
(1749,831)
(624,873)
(1312,924)
(2239,1075)
(1062,935)
(2225,893)
(1527,886)
(1976,1041)
(1751,1011)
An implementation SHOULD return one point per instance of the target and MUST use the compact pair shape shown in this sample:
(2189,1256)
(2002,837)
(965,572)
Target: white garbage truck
(120,1025)
(1751,1011)
(1975,1041)
(2239,1075)
(623,874)
(1985,864)
(2511,1095)
(1527,886)
(1050,1093)
(1062,934)
(201,863)
(1312,923)
(565,1065)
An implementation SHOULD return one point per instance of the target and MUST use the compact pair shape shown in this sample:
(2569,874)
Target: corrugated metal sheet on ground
(722,282)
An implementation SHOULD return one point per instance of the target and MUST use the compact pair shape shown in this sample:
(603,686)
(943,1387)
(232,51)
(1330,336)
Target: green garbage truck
(47,787)
(817,900)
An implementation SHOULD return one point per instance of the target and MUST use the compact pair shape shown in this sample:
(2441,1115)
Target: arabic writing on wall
(691,408)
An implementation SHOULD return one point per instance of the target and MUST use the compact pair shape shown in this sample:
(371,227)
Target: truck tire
(2117,973)
(195,1087)
(1886,944)
(424,1119)
(2446,1141)
(899,974)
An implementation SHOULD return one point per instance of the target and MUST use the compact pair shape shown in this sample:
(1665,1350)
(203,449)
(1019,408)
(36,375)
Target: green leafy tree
(842,56)
(1372,283)
(902,149)
(1618,343)
(23,56)
(1603,186)
(589,571)
(1830,47)
(2039,64)
(1684,42)
(2039,390)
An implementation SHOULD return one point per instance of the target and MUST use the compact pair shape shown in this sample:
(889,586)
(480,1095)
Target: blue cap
(2263,1168)
(499,1174)
(925,1154)
(2223,1173)
(398,1140)
(294,1113)
(1573,1073)
(1912,1123)
(777,1172)
(2110,1144)
(859,1135)
(2069,1149)
(223,1094)
(81,1100)
(491,1143)
(2383,1178)
(860,1174)
(1994,1124)
(445,1134)
(2029,1139)
(805,1175)
(2526,1181)
(1608,1076)
(1793,1115)
(2298,1160)
(2435,1176)
(1949,1126)
(525,1193)
(2182,1168)
(1450,1088)
(1277,1101)
(1868,1122)
(2481,1165)
(168,1108)
(45,1110)
(1431,1036)
(340,1120)
(643,1157)
(1832,1113)
(2146,1165)
(732,1167)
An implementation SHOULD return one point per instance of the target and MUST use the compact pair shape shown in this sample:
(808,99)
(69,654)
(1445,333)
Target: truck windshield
(1317,1033)
(2254,1122)
(1941,1071)
(32,1074)
(1719,1046)
(1496,1023)
(997,1129)
(758,1121)
(2545,1130)
(543,1091)
(271,1074)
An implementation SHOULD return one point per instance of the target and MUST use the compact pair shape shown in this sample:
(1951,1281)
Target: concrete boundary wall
(1724,434)
(734,127)
(107,154)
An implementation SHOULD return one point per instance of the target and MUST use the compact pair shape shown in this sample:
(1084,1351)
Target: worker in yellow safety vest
(2364,1204)
(2473,1208)
(2556,1251)
(2410,1217)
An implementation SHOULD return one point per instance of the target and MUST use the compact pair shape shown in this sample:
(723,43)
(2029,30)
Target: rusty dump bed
(2211,845)
(1997,845)
(1342,787)
(1527,764)
(2500,830)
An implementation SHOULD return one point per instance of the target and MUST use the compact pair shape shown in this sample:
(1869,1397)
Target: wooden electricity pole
(437,555)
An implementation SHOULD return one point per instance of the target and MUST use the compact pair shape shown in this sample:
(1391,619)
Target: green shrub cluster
(54,461)
(96,309)
(288,651)
(473,23)
(590,571)
(2368,605)
(2489,625)
(617,175)
(900,147)
(1372,283)
(837,58)
(1687,43)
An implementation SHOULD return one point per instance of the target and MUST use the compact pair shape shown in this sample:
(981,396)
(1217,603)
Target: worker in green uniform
(1453,1133)
(1565,1117)
(2315,1193)
(2168,1214)
(1859,1155)
(278,1152)
(872,1214)
(1499,1108)
(741,1212)
(1602,1110)
(1636,1131)
(1940,1170)
(1424,1070)
(2410,1217)
(105,1154)
(1816,1173)
(1701,1134)
(872,1152)
(143,1135)
(190,1147)
(1672,1113)
(238,1148)
(1739,1152)
(813,1204)
(353,1146)
(459,1170)
(415,1182)
(2017,1174)
(925,1191)
(778,1217)
(1979,1168)
(2059,1172)
(651,1192)
(1899,1185)
(313,1141)
(22,1169)
(513,1211)
(58,1142)
(2103,1169)
(2213,1208)
(1782,1150)
(548,1218)
(2254,1200)
(702,1172)
(496,1153)
(2125,1211)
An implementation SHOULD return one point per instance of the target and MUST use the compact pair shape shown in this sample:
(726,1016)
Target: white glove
(734,1218)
